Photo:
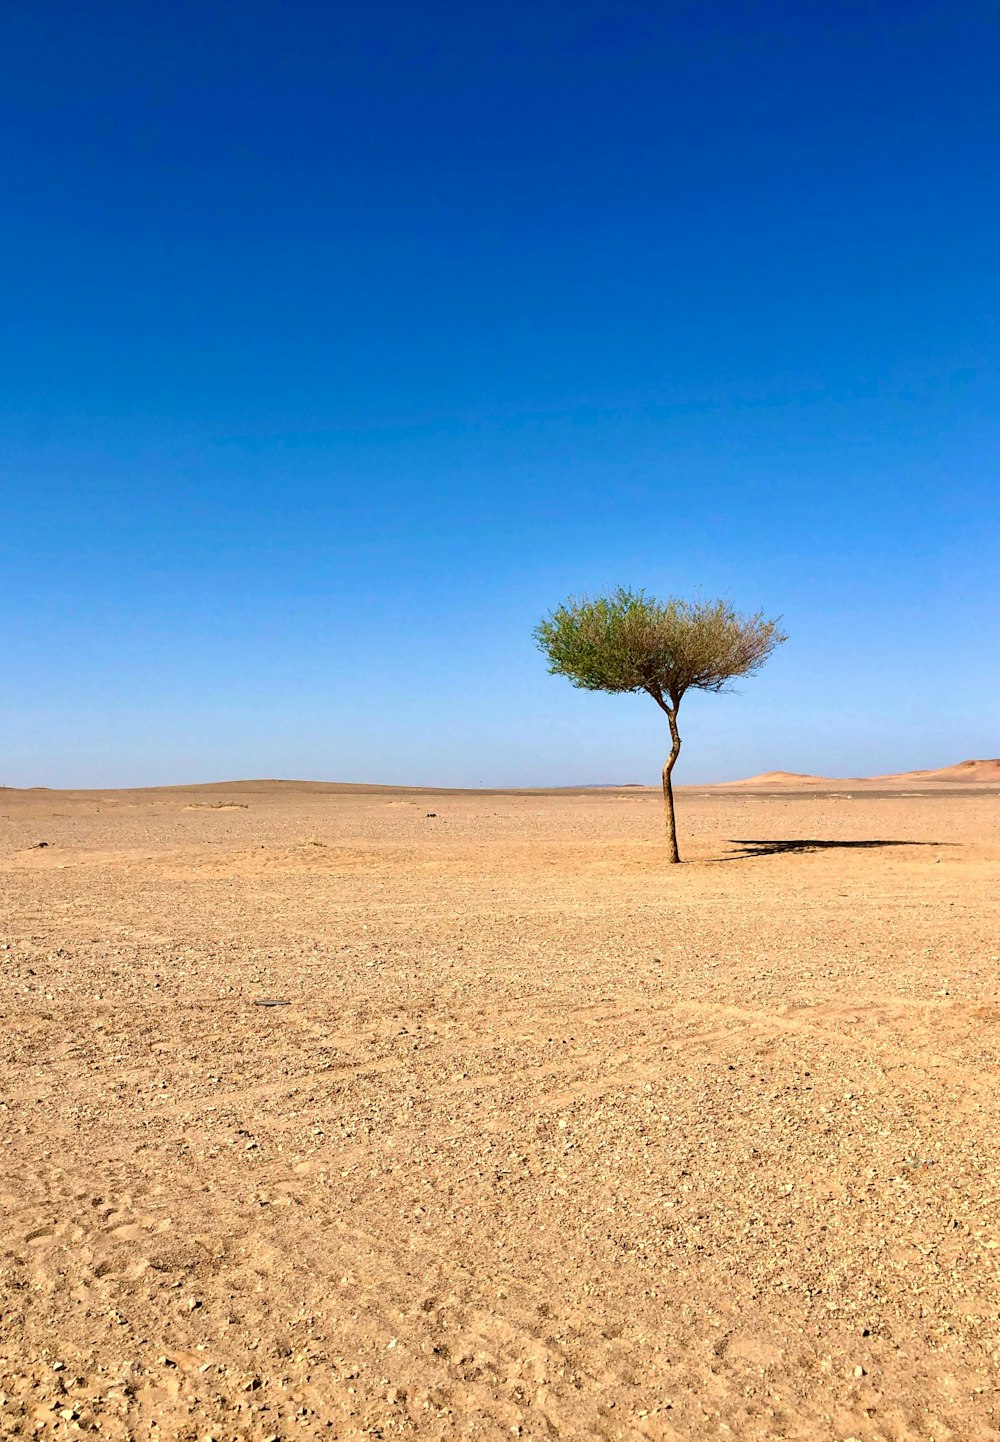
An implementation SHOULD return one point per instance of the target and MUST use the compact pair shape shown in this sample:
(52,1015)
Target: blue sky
(340,343)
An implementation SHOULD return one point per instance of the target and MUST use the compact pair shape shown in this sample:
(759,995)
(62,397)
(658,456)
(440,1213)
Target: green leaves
(627,641)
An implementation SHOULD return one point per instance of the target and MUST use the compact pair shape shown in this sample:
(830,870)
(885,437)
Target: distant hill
(965,772)
(780,778)
(608,786)
(987,770)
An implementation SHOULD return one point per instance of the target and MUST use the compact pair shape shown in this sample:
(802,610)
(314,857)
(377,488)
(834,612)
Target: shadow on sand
(789,848)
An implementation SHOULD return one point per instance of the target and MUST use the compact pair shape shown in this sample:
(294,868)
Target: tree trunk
(668,790)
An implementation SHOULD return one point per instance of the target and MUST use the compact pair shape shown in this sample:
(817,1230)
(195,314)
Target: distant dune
(986,770)
(965,772)
(779,778)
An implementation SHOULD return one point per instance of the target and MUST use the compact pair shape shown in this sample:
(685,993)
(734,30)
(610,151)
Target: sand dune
(964,773)
(975,771)
(779,778)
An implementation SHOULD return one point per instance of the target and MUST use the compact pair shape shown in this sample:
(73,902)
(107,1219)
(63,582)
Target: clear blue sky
(340,342)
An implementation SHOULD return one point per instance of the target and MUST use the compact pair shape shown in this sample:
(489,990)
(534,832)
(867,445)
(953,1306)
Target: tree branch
(658,698)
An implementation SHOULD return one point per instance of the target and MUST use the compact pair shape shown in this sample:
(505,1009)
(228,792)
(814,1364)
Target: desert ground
(546,1139)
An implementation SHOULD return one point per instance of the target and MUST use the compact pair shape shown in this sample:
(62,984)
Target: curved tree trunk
(668,790)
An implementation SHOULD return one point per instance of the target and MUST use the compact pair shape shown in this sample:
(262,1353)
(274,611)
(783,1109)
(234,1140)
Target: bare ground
(549,1140)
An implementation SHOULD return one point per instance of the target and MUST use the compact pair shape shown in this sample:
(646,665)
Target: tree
(627,641)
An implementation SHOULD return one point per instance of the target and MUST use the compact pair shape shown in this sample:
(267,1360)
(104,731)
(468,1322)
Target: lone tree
(627,641)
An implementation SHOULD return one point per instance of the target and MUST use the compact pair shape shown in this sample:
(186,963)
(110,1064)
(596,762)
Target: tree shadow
(799,847)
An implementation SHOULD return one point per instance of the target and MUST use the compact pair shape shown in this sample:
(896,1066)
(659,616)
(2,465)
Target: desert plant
(627,641)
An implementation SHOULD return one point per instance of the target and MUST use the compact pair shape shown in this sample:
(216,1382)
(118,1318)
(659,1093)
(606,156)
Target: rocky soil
(324,1117)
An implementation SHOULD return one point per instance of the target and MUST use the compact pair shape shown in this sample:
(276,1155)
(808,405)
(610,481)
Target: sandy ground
(549,1140)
